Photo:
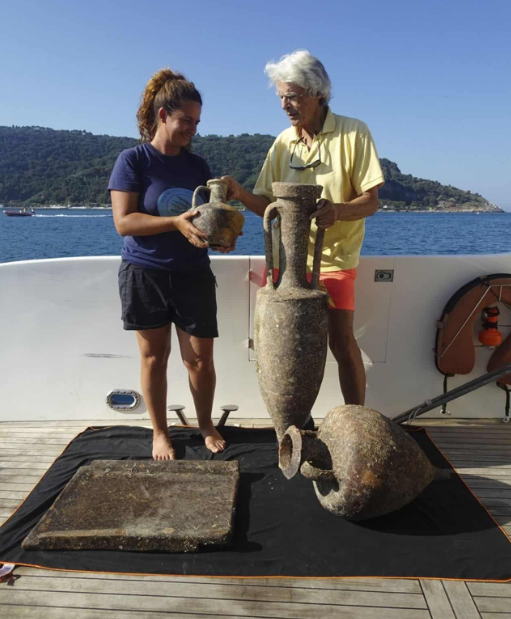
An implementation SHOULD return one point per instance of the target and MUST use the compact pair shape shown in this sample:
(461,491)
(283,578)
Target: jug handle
(316,265)
(312,472)
(194,197)
(268,245)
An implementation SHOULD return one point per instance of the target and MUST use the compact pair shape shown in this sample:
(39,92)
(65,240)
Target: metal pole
(472,385)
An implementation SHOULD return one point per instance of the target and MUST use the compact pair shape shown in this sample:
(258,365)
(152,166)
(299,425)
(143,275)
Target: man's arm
(360,207)
(257,204)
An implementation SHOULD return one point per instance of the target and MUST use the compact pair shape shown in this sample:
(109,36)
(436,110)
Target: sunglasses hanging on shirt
(313,164)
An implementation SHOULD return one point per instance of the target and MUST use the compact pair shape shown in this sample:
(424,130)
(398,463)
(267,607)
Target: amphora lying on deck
(362,464)
(220,221)
(291,323)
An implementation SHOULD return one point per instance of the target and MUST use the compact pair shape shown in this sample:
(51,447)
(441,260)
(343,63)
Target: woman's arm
(130,222)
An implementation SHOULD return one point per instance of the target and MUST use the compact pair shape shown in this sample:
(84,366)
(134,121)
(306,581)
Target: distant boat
(24,212)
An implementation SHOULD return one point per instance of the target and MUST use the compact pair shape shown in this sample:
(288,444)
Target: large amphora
(291,322)
(362,464)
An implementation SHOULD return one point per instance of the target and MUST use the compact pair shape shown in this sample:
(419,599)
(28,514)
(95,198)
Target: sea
(59,233)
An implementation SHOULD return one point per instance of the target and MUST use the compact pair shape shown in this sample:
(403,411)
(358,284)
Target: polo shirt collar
(328,126)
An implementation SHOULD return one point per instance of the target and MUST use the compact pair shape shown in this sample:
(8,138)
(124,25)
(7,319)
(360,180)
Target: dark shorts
(153,298)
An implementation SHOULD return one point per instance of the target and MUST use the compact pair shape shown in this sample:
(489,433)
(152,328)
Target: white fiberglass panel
(63,349)
(370,326)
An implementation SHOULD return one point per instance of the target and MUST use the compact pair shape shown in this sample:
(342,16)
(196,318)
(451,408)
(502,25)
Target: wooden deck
(479,450)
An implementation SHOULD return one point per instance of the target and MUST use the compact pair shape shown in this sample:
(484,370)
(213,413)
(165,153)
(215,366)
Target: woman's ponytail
(165,89)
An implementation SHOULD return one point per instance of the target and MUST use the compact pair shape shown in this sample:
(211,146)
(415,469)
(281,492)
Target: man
(338,153)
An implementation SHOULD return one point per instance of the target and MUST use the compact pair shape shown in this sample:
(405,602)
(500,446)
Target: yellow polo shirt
(349,166)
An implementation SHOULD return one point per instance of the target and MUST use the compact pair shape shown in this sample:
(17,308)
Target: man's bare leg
(344,347)
(154,347)
(197,355)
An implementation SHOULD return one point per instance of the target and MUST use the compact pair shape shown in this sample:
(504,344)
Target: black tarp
(280,528)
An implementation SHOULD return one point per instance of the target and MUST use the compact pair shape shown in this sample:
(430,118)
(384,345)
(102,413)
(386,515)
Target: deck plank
(499,510)
(481,482)
(248,605)
(480,451)
(212,591)
(10,487)
(437,600)
(11,503)
(481,471)
(7,441)
(493,604)
(493,493)
(37,460)
(27,466)
(39,612)
(490,589)
(19,434)
(461,601)
(15,478)
(390,585)
(497,503)
(12,495)
(30,451)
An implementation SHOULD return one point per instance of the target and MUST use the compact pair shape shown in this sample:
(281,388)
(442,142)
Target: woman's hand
(189,231)
(226,250)
(223,250)
(326,215)
(234,190)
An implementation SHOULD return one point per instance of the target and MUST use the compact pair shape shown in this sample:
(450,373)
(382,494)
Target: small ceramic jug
(220,221)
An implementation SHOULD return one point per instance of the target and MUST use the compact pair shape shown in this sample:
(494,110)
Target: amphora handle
(314,473)
(268,244)
(316,265)
(195,193)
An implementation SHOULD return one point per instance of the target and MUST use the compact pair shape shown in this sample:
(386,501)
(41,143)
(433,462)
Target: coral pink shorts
(339,285)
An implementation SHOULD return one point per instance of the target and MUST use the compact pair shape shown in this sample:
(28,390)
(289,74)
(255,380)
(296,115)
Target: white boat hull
(63,349)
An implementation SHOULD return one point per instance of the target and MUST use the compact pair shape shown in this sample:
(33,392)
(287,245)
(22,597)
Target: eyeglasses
(313,164)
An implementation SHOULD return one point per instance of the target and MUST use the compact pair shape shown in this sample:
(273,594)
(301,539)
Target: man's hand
(189,231)
(326,215)
(234,190)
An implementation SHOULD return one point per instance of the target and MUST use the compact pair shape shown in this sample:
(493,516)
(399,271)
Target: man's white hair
(304,69)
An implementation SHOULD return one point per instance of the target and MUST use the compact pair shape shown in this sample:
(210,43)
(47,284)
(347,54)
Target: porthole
(123,399)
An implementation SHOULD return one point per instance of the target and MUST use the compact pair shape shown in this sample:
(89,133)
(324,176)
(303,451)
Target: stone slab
(144,506)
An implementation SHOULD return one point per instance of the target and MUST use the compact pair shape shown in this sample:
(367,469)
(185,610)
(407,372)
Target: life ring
(454,348)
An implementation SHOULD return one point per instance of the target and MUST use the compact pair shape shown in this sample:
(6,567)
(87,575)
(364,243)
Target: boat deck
(476,448)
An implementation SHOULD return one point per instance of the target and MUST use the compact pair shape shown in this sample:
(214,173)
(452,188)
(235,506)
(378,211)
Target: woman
(338,153)
(165,275)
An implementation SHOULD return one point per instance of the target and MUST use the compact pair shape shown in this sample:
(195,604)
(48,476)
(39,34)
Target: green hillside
(41,166)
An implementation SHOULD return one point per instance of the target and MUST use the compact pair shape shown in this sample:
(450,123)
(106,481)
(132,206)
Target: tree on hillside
(45,166)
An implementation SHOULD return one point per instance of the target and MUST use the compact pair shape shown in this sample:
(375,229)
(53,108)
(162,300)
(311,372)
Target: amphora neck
(295,204)
(303,446)
(218,189)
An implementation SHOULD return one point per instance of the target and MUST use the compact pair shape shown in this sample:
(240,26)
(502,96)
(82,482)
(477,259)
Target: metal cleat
(178,409)
(227,409)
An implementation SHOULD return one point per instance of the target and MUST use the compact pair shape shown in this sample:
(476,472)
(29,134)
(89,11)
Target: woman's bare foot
(213,439)
(162,447)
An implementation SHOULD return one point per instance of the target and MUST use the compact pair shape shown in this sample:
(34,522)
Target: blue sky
(431,78)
